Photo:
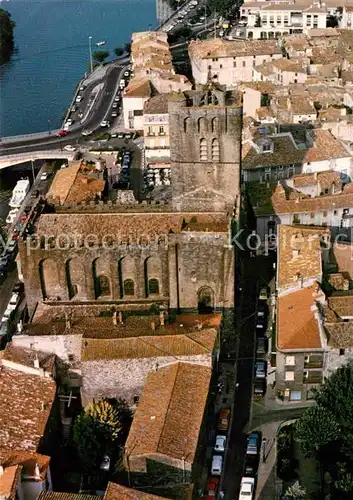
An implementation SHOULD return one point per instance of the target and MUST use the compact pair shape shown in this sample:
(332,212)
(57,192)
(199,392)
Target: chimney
(161,318)
(1,470)
(115,319)
(121,322)
(36,362)
(153,325)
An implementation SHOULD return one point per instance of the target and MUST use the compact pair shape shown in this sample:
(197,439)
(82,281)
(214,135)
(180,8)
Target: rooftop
(211,48)
(297,326)
(138,87)
(8,482)
(25,406)
(170,413)
(339,335)
(27,460)
(342,305)
(118,492)
(156,105)
(27,357)
(299,254)
(76,183)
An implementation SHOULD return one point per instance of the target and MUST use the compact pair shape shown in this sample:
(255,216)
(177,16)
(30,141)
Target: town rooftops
(13,356)
(263,87)
(56,495)
(33,465)
(212,48)
(76,183)
(156,105)
(138,87)
(297,323)
(339,334)
(118,492)
(8,482)
(170,413)
(291,65)
(299,255)
(342,305)
(126,227)
(25,406)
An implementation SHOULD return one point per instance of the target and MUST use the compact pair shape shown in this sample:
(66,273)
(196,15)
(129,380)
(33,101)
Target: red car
(61,133)
(212,487)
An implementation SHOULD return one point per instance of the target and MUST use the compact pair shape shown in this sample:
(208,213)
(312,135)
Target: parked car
(44,176)
(105,465)
(69,147)
(34,193)
(263,294)
(127,73)
(87,132)
(261,345)
(217,463)
(223,419)
(262,310)
(260,388)
(260,326)
(105,123)
(128,136)
(121,135)
(260,368)
(247,487)
(220,443)
(11,247)
(61,133)
(114,114)
(79,98)
(254,443)
(212,488)
(82,88)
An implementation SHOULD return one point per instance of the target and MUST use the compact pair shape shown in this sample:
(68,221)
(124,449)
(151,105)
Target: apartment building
(230,62)
(268,20)
(282,71)
(156,131)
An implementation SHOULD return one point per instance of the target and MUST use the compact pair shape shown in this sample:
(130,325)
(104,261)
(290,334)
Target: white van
(122,84)
(216,467)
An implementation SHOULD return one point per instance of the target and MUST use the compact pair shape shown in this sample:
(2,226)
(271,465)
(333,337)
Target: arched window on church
(103,286)
(201,125)
(214,124)
(215,150)
(129,288)
(187,124)
(205,300)
(203,150)
(153,287)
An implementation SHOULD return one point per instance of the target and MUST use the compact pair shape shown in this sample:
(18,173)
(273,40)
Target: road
(100,108)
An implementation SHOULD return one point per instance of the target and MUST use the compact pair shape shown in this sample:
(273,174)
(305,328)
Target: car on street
(247,487)
(44,176)
(121,135)
(263,294)
(260,387)
(114,114)
(262,310)
(34,193)
(212,488)
(128,136)
(217,463)
(260,327)
(261,345)
(69,147)
(79,98)
(73,109)
(14,300)
(105,123)
(117,98)
(220,443)
(127,73)
(253,444)
(223,419)
(69,122)
(82,88)
(260,368)
(87,132)
(11,247)
(105,465)
(115,105)
(61,133)
(12,216)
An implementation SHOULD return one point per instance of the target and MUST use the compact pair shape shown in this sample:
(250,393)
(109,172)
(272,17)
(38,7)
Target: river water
(52,55)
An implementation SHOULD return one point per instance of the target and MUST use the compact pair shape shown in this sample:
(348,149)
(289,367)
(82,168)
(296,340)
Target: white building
(230,62)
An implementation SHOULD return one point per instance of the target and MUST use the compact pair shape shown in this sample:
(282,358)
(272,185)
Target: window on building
(290,361)
(129,287)
(234,64)
(289,376)
(279,19)
(161,130)
(324,213)
(295,395)
(345,211)
(285,20)
(131,114)
(131,123)
(136,399)
(342,351)
(153,287)
(150,130)
(308,20)
(215,150)
(264,20)
(266,146)
(272,19)
(203,150)
(220,66)
(209,66)
(310,394)
(312,215)
(244,64)
(103,286)
(335,212)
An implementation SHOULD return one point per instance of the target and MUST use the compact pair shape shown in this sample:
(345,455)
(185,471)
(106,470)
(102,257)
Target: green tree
(221,6)
(6,36)
(100,429)
(118,51)
(316,428)
(296,491)
(100,55)
(127,47)
(344,483)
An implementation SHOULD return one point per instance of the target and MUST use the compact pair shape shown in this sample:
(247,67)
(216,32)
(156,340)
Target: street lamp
(90,52)
(49,126)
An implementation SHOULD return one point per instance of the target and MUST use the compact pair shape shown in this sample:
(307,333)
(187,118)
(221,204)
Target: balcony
(313,377)
(313,364)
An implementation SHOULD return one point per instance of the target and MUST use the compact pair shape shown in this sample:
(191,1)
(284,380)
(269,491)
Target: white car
(44,176)
(15,297)
(105,465)
(105,123)
(87,132)
(217,463)
(12,216)
(79,98)
(247,488)
(69,148)
(220,443)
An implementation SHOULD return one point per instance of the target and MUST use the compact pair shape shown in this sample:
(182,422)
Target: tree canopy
(6,36)
(100,55)
(119,51)
(326,428)
(99,429)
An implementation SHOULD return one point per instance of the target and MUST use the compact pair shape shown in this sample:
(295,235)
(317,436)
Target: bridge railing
(53,153)
(16,138)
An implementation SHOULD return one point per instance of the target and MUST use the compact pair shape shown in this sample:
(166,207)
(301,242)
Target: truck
(247,488)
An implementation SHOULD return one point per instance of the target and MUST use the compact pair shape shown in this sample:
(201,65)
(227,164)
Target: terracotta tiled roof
(118,492)
(200,342)
(63,181)
(25,405)
(122,225)
(301,180)
(339,281)
(263,87)
(301,105)
(27,460)
(297,326)
(138,87)
(299,254)
(170,413)
(8,482)
(54,495)
(342,305)
(211,48)
(299,204)
(291,65)
(156,105)
(26,357)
